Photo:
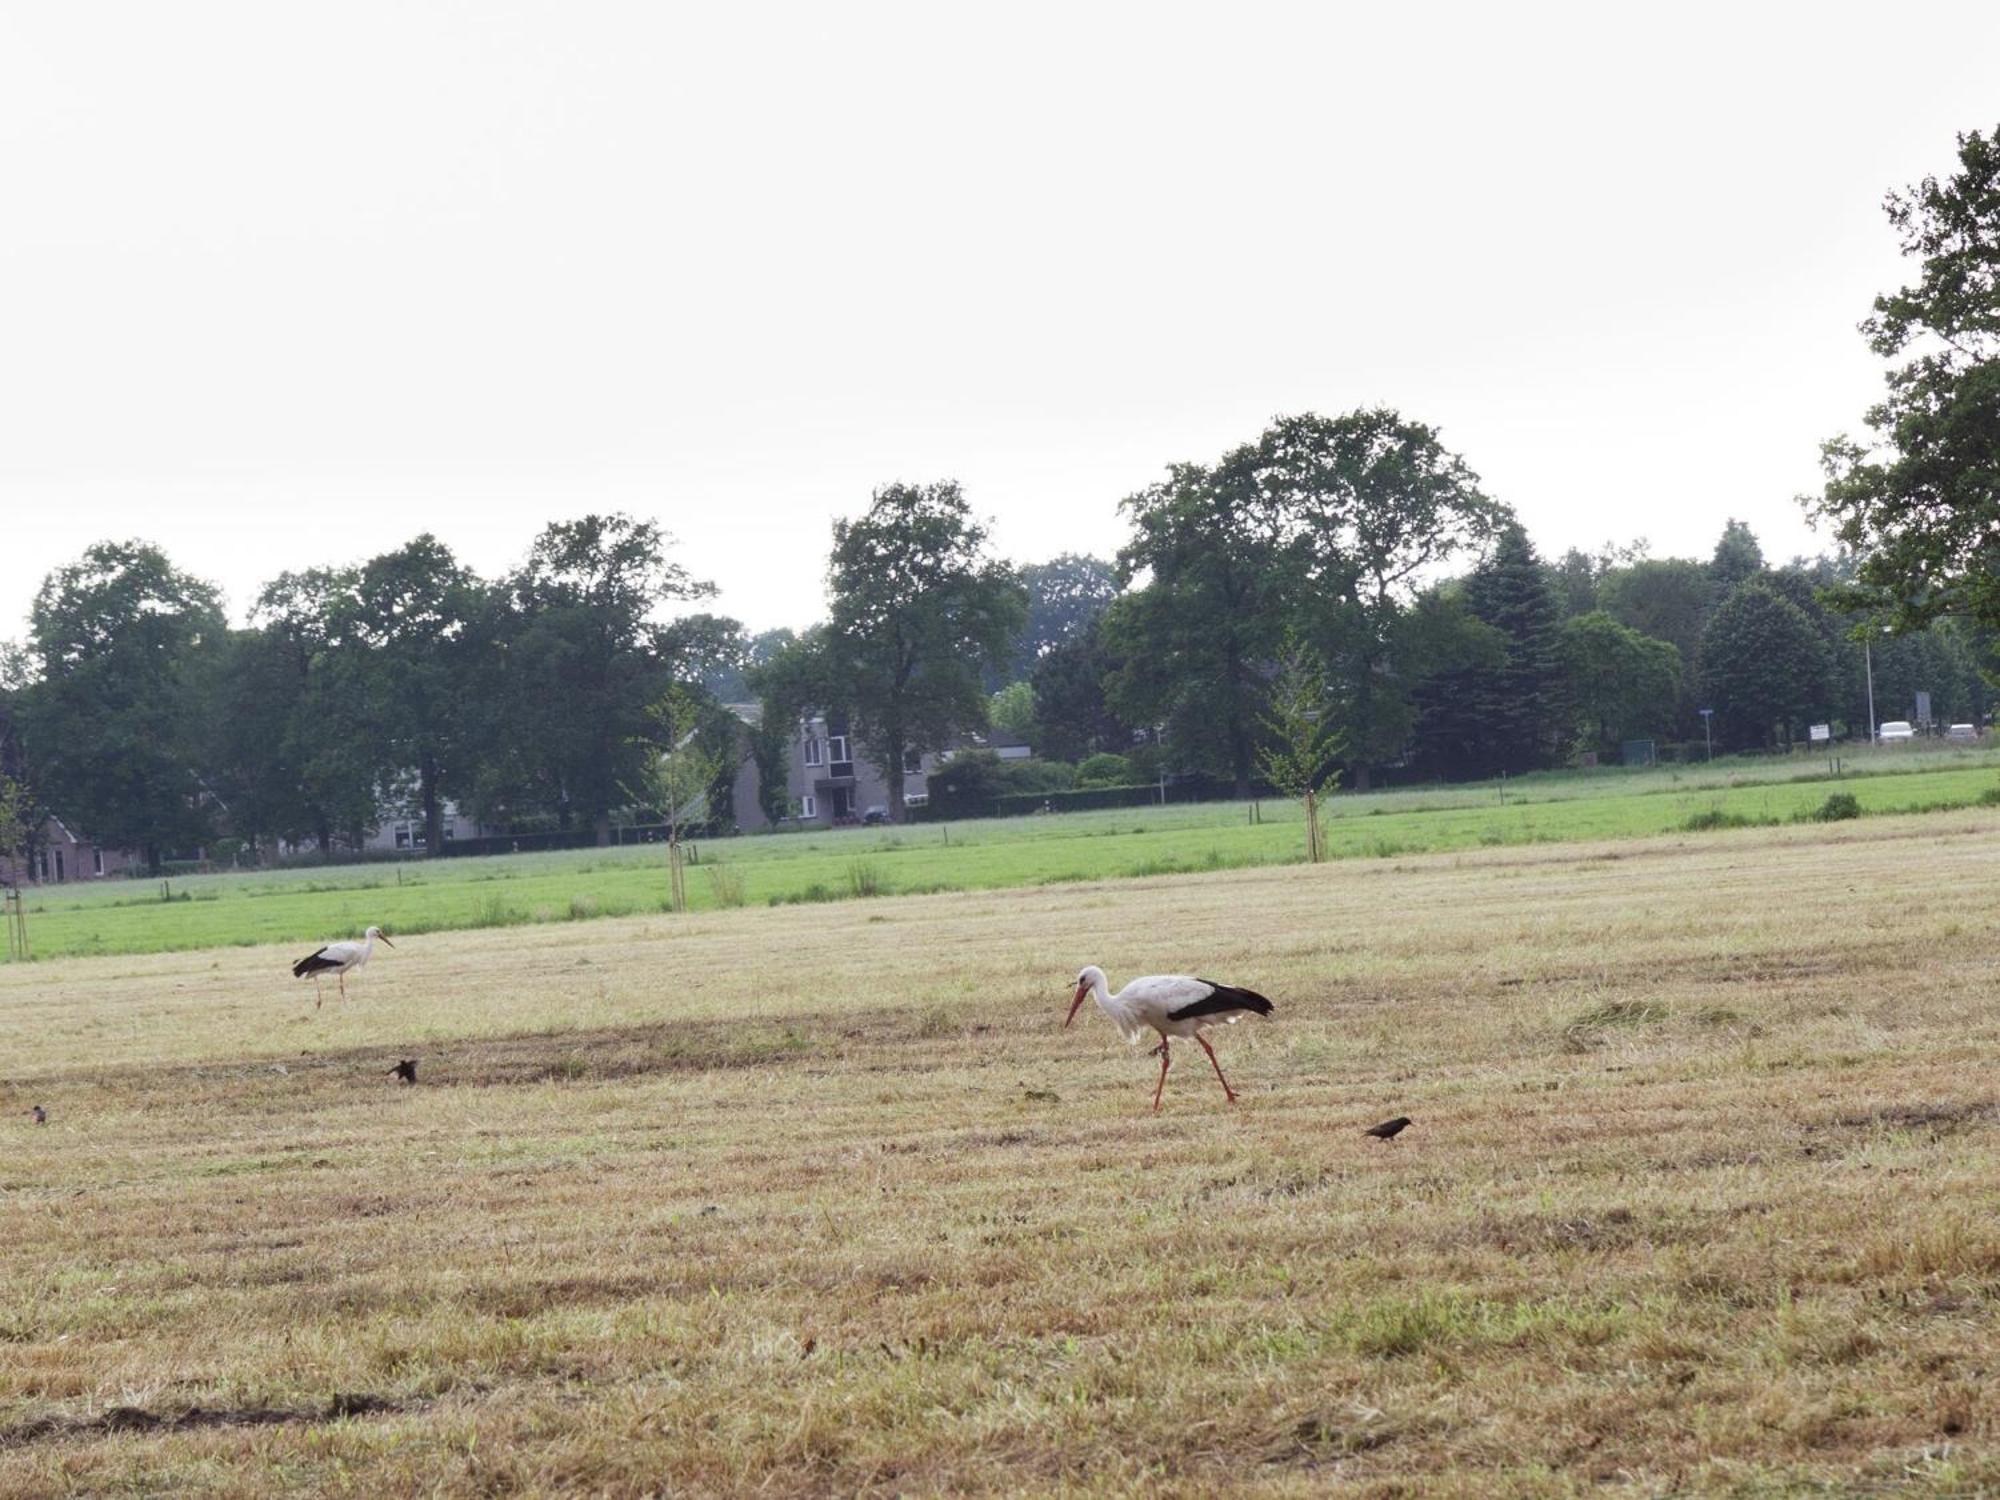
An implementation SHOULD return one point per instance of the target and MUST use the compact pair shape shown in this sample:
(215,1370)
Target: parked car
(1963,734)
(875,815)
(1895,732)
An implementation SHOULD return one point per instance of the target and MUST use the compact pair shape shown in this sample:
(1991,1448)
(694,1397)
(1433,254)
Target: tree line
(1356,549)
(141,716)
(1342,582)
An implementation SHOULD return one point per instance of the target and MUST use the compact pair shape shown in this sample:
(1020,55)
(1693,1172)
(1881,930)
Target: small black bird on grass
(1388,1130)
(405,1070)
(39,1115)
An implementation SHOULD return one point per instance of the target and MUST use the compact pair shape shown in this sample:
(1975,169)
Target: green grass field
(455,894)
(1701,1197)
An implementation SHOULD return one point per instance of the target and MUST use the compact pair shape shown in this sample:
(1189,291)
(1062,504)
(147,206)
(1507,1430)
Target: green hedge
(1084,799)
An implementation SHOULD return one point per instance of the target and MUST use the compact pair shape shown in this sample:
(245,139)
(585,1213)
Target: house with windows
(400,829)
(828,781)
(57,855)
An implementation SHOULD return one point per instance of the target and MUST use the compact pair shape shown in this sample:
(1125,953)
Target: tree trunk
(433,813)
(1359,771)
(152,859)
(325,835)
(896,783)
(601,829)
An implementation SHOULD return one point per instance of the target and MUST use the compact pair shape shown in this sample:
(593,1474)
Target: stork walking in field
(336,959)
(1172,1005)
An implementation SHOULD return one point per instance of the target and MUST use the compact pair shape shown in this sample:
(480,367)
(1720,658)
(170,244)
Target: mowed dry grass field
(1703,1193)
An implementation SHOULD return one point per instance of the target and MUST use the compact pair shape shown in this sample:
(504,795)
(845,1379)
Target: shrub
(1714,817)
(1036,776)
(727,885)
(1838,808)
(1083,799)
(1106,770)
(811,895)
(863,879)
(965,785)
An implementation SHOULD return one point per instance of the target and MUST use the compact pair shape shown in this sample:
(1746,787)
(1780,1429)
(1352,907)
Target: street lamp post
(1707,733)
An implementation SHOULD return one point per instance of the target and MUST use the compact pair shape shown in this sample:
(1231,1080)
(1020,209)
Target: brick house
(60,856)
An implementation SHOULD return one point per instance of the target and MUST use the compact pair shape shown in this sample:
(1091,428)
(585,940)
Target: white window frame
(813,750)
(808,807)
(836,749)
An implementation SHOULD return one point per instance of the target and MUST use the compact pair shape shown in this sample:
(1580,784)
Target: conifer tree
(1518,703)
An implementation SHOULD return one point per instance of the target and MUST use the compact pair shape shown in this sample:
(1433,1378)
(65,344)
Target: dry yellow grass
(1703,1194)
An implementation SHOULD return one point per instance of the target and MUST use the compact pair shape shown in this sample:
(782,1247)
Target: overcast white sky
(284,285)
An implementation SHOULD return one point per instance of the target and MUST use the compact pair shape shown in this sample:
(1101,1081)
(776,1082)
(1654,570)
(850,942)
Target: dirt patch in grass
(139,1419)
(593,1056)
(1940,1119)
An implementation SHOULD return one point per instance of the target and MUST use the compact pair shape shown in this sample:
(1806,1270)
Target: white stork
(336,959)
(1172,1005)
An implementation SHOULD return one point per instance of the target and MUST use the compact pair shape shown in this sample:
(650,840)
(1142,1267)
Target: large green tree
(1519,701)
(407,667)
(1074,718)
(1766,668)
(126,648)
(1325,527)
(918,609)
(1919,500)
(1668,599)
(1369,505)
(302,762)
(1194,637)
(588,659)
(1621,684)
(1453,654)
(1738,559)
(1066,595)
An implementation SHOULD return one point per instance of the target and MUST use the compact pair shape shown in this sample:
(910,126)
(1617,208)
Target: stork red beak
(1076,1004)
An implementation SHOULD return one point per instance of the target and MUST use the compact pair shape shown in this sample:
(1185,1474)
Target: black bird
(406,1070)
(1388,1130)
(39,1115)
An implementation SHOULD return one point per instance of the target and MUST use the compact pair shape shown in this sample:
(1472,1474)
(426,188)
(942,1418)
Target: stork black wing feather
(312,962)
(1223,999)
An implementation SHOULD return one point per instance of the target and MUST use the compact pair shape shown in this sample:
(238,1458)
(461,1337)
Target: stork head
(1088,978)
(376,932)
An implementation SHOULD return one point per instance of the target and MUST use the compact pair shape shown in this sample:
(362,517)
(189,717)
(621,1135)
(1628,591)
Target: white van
(1896,732)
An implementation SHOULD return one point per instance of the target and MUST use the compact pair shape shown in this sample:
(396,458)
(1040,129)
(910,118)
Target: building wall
(829,782)
(403,832)
(63,858)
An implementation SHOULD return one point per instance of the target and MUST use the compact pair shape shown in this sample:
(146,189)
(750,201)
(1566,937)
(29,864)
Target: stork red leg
(1163,1076)
(1218,1066)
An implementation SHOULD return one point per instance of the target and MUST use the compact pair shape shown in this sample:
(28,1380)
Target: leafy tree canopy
(1919,501)
(126,647)
(1737,560)
(1765,668)
(1066,595)
(1621,684)
(918,608)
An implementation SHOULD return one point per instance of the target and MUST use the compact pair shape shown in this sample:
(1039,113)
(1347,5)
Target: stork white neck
(1091,981)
